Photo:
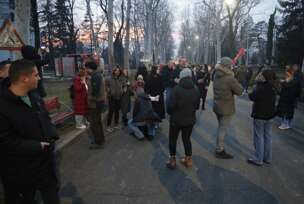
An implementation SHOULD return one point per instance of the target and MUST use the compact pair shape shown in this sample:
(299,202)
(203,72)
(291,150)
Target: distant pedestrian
(114,91)
(144,117)
(299,77)
(96,104)
(154,87)
(225,87)
(203,81)
(249,74)
(263,111)
(139,83)
(80,101)
(142,70)
(30,53)
(4,69)
(168,80)
(27,139)
(182,108)
(126,96)
(288,98)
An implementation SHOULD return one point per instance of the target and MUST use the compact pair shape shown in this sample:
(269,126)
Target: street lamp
(229,2)
(196,37)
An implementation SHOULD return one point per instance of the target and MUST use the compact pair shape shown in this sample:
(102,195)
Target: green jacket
(225,86)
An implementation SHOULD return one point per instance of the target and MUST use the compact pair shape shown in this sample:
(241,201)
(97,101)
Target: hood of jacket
(186,83)
(221,71)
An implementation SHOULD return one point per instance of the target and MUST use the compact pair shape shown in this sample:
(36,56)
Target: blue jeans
(262,140)
(133,127)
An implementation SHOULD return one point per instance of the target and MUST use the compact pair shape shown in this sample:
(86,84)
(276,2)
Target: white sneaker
(109,130)
(283,127)
(81,127)
(117,127)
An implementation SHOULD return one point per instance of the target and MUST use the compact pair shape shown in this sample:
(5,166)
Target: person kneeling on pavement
(144,117)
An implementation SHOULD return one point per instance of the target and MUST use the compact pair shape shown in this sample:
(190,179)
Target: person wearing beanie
(96,104)
(263,97)
(184,101)
(288,98)
(225,87)
(30,53)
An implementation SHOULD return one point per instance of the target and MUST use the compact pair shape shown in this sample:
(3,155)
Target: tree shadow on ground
(218,185)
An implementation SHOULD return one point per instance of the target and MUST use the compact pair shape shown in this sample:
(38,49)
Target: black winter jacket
(21,131)
(143,110)
(264,99)
(184,102)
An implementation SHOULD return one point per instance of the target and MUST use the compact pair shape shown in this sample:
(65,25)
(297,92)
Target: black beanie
(91,65)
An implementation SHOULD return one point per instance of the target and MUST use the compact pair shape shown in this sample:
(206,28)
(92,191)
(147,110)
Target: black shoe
(96,146)
(223,155)
(267,162)
(254,162)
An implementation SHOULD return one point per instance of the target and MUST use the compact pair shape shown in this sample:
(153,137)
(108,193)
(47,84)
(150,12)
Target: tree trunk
(35,23)
(110,33)
(127,40)
(218,43)
(93,36)
(148,34)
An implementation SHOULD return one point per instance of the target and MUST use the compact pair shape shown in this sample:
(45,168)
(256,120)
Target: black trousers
(16,193)
(173,135)
(203,97)
(114,108)
(95,118)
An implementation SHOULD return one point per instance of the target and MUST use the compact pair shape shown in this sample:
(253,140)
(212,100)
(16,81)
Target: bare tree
(127,38)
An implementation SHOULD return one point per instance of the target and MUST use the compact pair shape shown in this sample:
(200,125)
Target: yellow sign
(9,38)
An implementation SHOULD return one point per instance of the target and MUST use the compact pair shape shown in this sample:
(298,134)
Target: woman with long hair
(263,111)
(114,90)
(155,89)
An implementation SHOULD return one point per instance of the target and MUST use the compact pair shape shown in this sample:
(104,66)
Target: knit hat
(140,77)
(186,72)
(226,61)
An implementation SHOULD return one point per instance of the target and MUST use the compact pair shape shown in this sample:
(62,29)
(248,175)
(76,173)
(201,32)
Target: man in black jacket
(30,53)
(27,139)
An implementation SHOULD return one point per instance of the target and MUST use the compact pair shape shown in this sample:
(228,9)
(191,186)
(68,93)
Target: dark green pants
(96,126)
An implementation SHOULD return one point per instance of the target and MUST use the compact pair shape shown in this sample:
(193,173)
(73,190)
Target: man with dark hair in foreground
(27,139)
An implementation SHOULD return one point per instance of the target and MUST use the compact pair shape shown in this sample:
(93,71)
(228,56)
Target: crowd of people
(174,91)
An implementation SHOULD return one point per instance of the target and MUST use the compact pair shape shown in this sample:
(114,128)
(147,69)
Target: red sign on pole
(9,38)
(238,56)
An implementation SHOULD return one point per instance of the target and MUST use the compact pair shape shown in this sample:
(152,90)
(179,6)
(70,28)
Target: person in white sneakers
(80,99)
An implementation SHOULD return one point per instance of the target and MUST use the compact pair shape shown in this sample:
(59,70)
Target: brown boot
(171,163)
(187,161)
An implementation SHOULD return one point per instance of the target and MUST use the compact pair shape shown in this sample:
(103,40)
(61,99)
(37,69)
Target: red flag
(238,56)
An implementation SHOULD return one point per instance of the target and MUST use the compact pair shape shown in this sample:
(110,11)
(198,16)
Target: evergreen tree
(61,29)
(46,28)
(271,25)
(291,32)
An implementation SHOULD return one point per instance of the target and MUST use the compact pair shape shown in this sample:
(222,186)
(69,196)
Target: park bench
(58,115)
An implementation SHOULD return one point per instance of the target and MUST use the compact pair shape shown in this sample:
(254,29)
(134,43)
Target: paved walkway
(131,171)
